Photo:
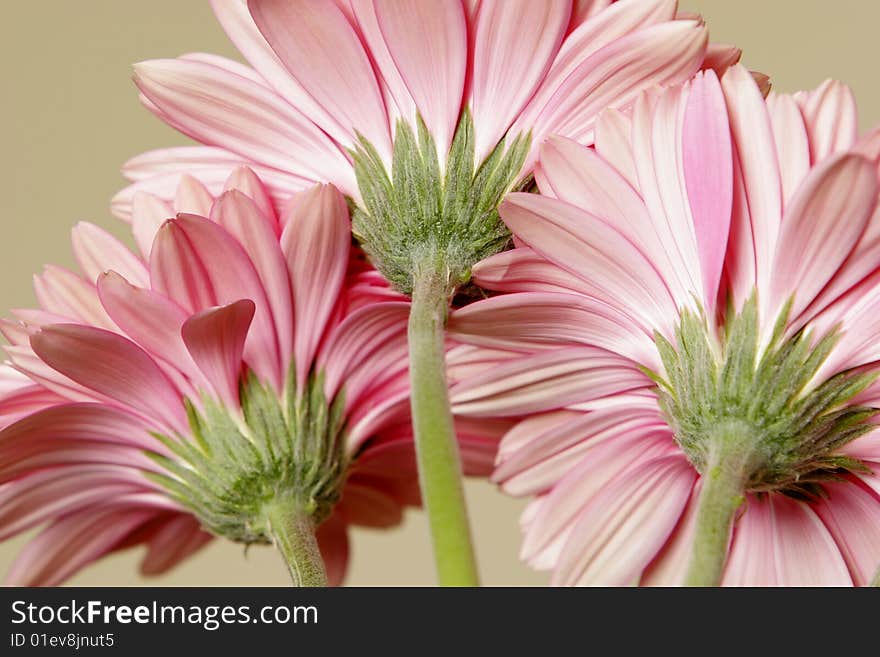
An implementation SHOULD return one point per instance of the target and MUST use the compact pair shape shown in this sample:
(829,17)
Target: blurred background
(69,117)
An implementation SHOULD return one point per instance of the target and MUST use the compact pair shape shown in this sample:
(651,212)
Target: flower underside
(424,216)
(232,468)
(787,430)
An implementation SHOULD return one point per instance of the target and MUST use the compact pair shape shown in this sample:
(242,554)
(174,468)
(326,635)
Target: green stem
(723,484)
(293,533)
(439,464)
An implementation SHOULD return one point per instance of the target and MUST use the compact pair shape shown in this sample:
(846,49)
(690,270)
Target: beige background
(69,117)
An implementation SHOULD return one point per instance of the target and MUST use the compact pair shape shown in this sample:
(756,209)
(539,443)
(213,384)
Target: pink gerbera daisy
(244,375)
(425,114)
(699,296)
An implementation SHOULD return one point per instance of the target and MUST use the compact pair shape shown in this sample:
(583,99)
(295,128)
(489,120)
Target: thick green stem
(439,464)
(723,484)
(293,533)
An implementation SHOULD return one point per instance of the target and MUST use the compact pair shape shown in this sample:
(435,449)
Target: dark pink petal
(113,366)
(316,243)
(215,339)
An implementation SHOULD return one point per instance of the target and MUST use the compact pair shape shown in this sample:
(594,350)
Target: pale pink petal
(792,144)
(531,321)
(515,42)
(709,178)
(322,52)
(822,225)
(581,10)
(219,108)
(98,251)
(215,340)
(256,232)
(549,455)
(669,567)
(611,267)
(523,270)
(757,206)
(180,158)
(552,519)
(614,143)
(831,119)
(316,242)
(148,213)
(545,381)
(580,176)
(64,293)
(574,59)
(612,77)
(113,366)
(427,44)
(622,528)
(852,515)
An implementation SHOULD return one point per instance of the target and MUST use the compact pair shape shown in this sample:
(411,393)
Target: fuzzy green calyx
(420,213)
(727,397)
(234,469)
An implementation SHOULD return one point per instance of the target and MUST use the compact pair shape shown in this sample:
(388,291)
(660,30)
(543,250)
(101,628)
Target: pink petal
(244,180)
(781,542)
(356,340)
(427,43)
(515,42)
(332,538)
(199,264)
(73,542)
(150,319)
(316,242)
(622,528)
(545,381)
(707,168)
(670,566)
(852,515)
(215,339)
(322,53)
(112,366)
(192,197)
(174,541)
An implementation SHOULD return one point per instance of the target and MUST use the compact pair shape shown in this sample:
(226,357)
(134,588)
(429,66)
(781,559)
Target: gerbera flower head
(424,113)
(243,369)
(699,295)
